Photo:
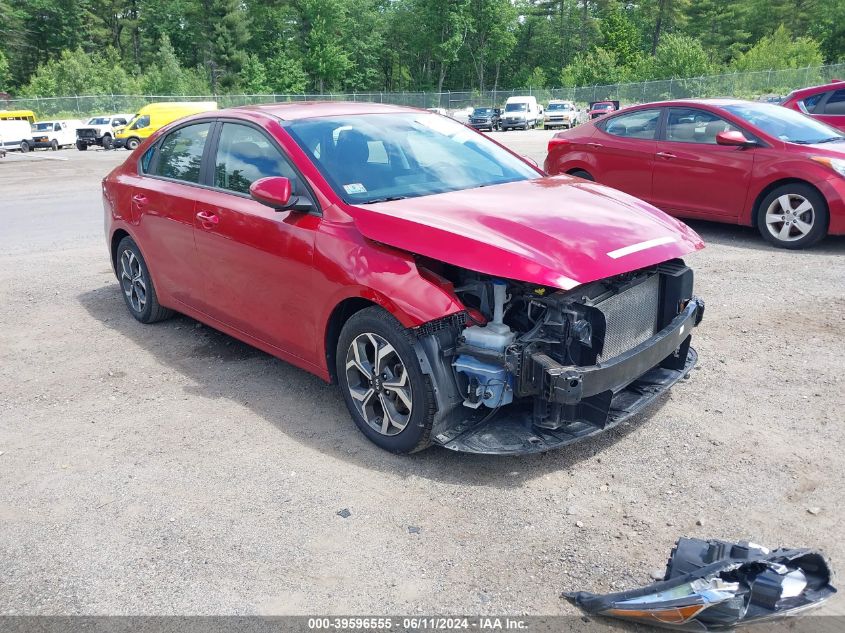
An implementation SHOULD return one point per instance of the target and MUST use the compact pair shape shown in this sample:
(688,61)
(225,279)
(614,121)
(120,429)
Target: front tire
(81,146)
(793,216)
(54,145)
(137,284)
(24,147)
(132,144)
(386,392)
(107,142)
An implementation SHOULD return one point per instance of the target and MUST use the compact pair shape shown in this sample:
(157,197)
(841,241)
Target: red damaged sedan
(457,295)
(726,160)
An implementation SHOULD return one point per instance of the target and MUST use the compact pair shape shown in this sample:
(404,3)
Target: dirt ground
(169,469)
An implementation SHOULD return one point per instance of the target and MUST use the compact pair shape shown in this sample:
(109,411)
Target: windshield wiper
(385,199)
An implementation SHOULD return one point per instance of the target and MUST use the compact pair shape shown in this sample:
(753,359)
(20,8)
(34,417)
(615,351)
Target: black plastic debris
(344,514)
(711,585)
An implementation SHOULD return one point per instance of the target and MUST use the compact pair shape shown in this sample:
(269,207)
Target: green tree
(5,76)
(597,66)
(490,36)
(780,50)
(221,32)
(253,78)
(537,78)
(285,75)
(680,56)
(619,34)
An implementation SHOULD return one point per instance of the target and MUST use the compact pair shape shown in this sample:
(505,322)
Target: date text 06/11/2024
(419,623)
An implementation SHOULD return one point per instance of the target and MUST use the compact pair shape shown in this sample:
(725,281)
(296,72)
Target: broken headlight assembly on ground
(711,585)
(530,368)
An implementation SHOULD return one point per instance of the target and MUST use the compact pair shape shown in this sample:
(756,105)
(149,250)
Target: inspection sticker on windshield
(355,187)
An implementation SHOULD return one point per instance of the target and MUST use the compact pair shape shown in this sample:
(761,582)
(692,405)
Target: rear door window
(835,103)
(180,153)
(641,125)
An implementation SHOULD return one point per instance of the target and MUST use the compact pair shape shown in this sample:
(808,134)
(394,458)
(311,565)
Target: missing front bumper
(512,431)
(572,403)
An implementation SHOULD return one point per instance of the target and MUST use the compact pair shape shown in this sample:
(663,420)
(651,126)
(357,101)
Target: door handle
(594,145)
(666,155)
(207,219)
(139,199)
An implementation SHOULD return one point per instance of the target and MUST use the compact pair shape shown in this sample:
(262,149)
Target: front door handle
(666,155)
(594,145)
(207,219)
(139,199)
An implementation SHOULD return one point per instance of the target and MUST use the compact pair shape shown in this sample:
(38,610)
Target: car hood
(555,231)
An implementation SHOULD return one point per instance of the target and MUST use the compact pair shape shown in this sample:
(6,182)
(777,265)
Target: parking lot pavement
(171,469)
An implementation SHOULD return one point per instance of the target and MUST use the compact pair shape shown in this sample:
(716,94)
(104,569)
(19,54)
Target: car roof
(811,90)
(308,109)
(714,102)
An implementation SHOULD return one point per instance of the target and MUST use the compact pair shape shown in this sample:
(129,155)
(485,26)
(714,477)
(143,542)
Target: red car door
(257,262)
(163,207)
(624,149)
(693,175)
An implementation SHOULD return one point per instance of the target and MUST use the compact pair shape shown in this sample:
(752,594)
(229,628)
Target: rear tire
(81,146)
(137,284)
(793,216)
(386,392)
(580,173)
(107,142)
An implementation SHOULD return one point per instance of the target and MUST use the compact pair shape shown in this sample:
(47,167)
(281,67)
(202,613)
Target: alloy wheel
(790,217)
(379,384)
(132,280)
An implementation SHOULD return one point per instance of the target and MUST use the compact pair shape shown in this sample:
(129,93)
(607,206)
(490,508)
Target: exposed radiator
(631,317)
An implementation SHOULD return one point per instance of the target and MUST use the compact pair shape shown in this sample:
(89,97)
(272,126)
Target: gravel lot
(171,469)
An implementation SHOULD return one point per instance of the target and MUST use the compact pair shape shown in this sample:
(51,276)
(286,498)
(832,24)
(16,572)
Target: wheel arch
(338,317)
(118,235)
(754,213)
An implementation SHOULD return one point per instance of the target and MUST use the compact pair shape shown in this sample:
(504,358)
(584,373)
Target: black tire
(108,143)
(818,216)
(54,145)
(416,434)
(81,146)
(150,310)
(582,174)
(132,143)
(24,147)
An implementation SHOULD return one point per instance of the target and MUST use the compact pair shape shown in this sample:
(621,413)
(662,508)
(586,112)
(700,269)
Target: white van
(54,134)
(520,113)
(15,134)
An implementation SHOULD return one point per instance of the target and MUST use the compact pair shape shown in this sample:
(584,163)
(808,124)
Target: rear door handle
(666,155)
(207,219)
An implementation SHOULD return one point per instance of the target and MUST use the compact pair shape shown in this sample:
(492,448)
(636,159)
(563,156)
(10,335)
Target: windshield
(516,107)
(44,126)
(558,106)
(787,125)
(602,106)
(482,112)
(140,122)
(98,120)
(376,157)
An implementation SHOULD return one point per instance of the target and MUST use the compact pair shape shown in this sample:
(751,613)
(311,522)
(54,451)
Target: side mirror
(274,191)
(277,193)
(733,138)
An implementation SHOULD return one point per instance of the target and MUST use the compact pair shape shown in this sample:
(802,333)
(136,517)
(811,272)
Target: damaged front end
(529,368)
(712,585)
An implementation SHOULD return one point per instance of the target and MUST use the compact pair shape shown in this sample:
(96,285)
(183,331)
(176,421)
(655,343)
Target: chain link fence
(749,85)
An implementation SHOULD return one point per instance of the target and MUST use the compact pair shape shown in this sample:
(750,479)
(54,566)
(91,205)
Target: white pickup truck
(99,130)
(53,134)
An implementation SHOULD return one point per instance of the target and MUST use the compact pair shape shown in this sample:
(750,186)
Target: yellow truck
(155,116)
(18,115)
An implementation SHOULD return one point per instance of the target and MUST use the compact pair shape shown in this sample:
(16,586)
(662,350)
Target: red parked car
(718,159)
(457,295)
(600,108)
(825,103)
